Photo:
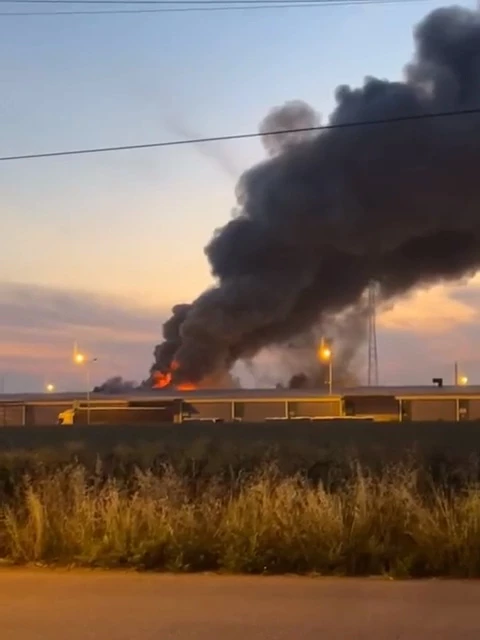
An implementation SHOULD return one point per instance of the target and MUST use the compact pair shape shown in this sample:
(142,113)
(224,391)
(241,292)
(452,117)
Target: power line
(199,2)
(197,9)
(199,6)
(279,4)
(244,136)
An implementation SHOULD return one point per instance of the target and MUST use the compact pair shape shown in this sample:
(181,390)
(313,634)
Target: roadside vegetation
(393,524)
(307,503)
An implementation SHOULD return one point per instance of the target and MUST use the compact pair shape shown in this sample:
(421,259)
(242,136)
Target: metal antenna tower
(372,376)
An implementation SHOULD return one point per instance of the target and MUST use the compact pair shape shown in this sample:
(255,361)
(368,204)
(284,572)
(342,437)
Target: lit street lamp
(459,379)
(325,355)
(81,359)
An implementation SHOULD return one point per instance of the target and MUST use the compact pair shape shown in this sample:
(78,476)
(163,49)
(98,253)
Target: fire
(162,380)
(187,386)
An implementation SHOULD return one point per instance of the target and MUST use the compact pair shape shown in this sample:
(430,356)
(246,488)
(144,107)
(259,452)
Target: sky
(97,248)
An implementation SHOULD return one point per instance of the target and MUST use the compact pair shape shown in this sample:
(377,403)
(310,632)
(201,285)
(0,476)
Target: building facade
(400,404)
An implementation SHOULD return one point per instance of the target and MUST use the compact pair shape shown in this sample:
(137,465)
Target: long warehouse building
(378,403)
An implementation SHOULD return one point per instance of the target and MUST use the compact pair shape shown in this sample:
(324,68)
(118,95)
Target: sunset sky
(98,248)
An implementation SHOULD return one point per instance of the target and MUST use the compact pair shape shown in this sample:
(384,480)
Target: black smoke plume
(296,118)
(398,204)
(344,333)
(116,384)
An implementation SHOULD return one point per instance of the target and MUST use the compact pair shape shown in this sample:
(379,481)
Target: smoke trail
(214,151)
(395,203)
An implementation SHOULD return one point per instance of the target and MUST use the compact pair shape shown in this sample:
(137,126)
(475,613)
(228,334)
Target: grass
(261,498)
(263,523)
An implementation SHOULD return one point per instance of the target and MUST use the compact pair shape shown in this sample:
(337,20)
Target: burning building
(162,379)
(385,195)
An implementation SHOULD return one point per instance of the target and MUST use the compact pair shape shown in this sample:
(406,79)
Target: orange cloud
(419,336)
(435,310)
(38,326)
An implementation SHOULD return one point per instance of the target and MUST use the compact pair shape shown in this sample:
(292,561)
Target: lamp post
(81,359)
(460,379)
(325,355)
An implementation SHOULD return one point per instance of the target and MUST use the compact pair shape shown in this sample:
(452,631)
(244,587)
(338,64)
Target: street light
(81,359)
(325,355)
(459,379)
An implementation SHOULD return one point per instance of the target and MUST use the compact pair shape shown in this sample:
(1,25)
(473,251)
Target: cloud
(418,338)
(421,336)
(435,310)
(35,306)
(38,326)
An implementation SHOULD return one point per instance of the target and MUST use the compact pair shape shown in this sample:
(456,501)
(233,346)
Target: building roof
(252,395)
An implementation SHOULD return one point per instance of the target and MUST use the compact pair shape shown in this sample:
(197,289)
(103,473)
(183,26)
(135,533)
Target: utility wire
(197,9)
(279,4)
(199,6)
(197,2)
(245,136)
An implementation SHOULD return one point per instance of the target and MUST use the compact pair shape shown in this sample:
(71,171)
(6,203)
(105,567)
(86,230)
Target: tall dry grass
(264,523)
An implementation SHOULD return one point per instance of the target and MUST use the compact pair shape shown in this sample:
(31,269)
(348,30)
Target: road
(78,605)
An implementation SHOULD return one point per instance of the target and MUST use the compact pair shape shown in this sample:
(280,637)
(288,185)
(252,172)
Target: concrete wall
(433,410)
(372,405)
(417,409)
(11,415)
(123,416)
(313,409)
(206,410)
(258,411)
(473,409)
(43,414)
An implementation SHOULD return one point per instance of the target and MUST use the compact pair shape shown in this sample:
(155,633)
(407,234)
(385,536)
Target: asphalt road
(37,605)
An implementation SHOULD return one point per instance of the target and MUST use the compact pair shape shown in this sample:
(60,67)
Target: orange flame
(187,386)
(162,380)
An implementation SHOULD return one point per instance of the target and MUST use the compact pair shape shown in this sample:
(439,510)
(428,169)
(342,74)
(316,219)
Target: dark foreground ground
(447,452)
(120,606)
(295,446)
(438,436)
